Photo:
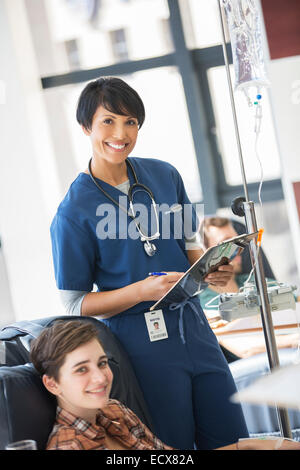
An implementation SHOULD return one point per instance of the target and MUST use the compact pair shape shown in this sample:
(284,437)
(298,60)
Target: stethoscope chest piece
(150,248)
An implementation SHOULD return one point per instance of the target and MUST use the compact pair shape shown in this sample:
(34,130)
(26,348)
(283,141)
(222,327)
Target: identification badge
(156,325)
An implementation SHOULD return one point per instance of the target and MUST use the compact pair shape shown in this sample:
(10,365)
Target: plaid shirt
(116,420)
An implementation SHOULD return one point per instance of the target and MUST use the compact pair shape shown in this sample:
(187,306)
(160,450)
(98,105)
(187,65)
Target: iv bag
(246,43)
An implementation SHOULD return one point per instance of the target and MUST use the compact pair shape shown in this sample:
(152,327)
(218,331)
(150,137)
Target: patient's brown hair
(215,222)
(48,351)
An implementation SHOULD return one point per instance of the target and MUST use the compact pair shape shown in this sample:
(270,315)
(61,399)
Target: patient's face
(85,380)
(217,235)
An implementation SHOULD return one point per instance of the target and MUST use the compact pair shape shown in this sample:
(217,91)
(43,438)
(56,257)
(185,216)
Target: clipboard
(192,281)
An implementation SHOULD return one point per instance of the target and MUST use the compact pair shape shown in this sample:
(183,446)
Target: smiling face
(113,136)
(84,381)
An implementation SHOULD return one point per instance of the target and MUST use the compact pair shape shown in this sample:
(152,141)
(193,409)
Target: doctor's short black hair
(113,94)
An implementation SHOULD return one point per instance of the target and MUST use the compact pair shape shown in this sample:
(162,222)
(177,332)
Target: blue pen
(157,274)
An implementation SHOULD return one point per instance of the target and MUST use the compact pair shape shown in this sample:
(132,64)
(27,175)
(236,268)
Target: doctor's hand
(155,287)
(221,277)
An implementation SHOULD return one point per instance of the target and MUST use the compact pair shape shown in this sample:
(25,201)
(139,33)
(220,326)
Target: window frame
(192,65)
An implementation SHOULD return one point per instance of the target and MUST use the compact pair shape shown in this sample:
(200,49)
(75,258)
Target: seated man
(217,230)
(74,367)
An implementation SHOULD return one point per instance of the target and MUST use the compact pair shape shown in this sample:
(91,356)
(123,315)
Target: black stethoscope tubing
(132,187)
(149,248)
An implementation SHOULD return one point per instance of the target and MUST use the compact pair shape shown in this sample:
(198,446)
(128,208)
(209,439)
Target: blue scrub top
(81,259)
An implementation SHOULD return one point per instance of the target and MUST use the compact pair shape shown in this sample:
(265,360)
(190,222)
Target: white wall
(29,190)
(285,92)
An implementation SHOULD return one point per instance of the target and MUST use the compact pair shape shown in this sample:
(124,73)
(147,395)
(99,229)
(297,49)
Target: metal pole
(256,259)
(265,310)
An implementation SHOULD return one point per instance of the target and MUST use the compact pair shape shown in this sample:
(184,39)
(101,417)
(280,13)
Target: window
(73,54)
(165,135)
(85,8)
(120,34)
(106,32)
(119,45)
(166,36)
(201,23)
(267,148)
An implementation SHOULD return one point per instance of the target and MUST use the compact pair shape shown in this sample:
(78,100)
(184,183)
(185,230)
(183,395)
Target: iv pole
(246,208)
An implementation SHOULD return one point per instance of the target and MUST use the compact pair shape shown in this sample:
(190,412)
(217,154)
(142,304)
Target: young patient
(74,367)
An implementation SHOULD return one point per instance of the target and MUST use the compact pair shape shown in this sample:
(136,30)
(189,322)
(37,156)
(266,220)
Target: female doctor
(99,239)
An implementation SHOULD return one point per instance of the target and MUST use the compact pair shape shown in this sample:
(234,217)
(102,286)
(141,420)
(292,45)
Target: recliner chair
(27,409)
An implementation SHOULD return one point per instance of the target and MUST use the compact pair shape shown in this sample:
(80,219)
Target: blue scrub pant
(186,385)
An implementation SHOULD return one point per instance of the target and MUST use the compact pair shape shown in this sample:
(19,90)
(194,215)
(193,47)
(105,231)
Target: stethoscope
(149,248)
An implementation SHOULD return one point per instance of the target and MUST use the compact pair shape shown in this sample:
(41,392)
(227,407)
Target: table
(245,337)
